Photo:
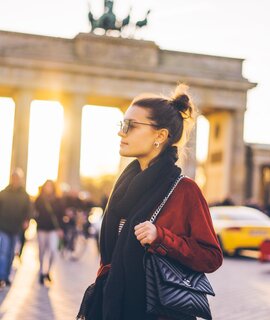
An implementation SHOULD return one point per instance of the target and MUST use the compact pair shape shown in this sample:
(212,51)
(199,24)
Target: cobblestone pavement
(242,287)
(28,300)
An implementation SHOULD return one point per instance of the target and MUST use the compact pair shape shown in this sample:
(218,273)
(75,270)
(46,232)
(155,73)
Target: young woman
(151,128)
(49,213)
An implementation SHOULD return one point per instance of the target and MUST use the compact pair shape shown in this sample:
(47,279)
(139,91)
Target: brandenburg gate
(110,71)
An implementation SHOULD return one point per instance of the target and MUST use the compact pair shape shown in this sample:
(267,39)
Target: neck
(144,162)
(15,187)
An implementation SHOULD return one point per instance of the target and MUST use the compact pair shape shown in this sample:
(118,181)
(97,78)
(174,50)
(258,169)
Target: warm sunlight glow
(7,110)
(46,127)
(31,231)
(100,142)
(202,139)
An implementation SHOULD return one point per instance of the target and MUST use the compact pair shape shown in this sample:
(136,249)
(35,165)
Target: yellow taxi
(239,228)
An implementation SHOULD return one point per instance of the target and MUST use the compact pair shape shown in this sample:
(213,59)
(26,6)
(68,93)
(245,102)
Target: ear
(162,135)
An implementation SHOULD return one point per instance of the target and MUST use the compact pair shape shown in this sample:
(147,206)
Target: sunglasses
(125,125)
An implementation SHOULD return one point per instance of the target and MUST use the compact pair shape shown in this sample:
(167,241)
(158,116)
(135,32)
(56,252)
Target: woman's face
(139,140)
(48,188)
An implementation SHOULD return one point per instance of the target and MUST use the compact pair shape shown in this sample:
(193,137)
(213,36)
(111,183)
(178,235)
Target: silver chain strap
(155,214)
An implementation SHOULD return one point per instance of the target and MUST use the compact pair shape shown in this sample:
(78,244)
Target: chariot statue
(108,21)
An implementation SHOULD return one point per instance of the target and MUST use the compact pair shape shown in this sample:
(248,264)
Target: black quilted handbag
(172,289)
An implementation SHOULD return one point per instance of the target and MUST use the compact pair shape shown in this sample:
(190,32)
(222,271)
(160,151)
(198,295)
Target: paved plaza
(242,287)
(28,300)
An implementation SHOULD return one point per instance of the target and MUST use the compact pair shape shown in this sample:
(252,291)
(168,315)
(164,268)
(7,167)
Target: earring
(156,144)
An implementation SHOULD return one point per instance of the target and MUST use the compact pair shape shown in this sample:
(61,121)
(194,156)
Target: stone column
(69,163)
(22,99)
(257,183)
(238,164)
(219,160)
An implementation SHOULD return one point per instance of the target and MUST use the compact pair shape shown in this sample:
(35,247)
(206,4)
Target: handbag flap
(173,272)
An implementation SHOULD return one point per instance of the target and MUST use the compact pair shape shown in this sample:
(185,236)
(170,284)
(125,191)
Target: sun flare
(202,136)
(100,142)
(46,128)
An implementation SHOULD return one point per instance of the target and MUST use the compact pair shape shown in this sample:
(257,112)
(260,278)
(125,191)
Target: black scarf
(135,197)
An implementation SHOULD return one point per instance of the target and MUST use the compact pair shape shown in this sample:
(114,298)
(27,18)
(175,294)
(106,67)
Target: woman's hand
(145,232)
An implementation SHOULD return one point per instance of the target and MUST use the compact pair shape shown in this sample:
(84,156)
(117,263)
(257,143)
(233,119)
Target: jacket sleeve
(197,247)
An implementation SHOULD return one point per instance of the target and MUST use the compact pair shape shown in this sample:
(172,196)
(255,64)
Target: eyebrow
(131,119)
(135,120)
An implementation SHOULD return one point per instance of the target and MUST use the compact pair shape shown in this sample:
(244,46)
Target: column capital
(27,94)
(77,100)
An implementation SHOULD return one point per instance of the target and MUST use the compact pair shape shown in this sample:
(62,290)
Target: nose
(121,133)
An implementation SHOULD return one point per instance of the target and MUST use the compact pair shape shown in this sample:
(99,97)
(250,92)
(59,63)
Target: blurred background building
(66,75)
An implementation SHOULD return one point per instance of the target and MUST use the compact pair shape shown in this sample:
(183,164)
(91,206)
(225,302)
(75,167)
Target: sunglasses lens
(124,126)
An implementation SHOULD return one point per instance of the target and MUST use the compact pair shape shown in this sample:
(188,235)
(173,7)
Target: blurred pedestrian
(151,128)
(227,201)
(71,200)
(49,218)
(14,216)
(22,239)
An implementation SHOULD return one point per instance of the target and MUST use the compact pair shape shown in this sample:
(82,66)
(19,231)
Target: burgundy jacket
(185,229)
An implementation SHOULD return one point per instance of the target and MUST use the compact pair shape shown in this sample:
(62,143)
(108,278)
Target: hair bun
(181,103)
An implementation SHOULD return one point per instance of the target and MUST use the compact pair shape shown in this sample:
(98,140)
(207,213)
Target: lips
(122,143)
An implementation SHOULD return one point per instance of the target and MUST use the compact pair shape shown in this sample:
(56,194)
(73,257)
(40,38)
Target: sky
(233,28)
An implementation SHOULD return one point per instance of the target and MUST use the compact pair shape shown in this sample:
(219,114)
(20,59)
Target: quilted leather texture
(175,291)
(176,274)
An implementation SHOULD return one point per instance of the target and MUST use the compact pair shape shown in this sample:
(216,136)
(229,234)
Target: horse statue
(126,20)
(107,21)
(143,23)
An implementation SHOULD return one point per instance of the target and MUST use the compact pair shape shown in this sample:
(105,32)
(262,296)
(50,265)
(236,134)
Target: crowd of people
(55,217)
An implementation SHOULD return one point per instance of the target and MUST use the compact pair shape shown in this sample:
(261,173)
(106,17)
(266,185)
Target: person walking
(151,129)
(14,216)
(49,214)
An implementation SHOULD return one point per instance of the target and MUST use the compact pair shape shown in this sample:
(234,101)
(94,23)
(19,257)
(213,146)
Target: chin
(124,153)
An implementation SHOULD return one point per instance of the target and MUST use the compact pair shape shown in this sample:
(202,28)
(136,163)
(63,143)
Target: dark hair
(44,185)
(171,113)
